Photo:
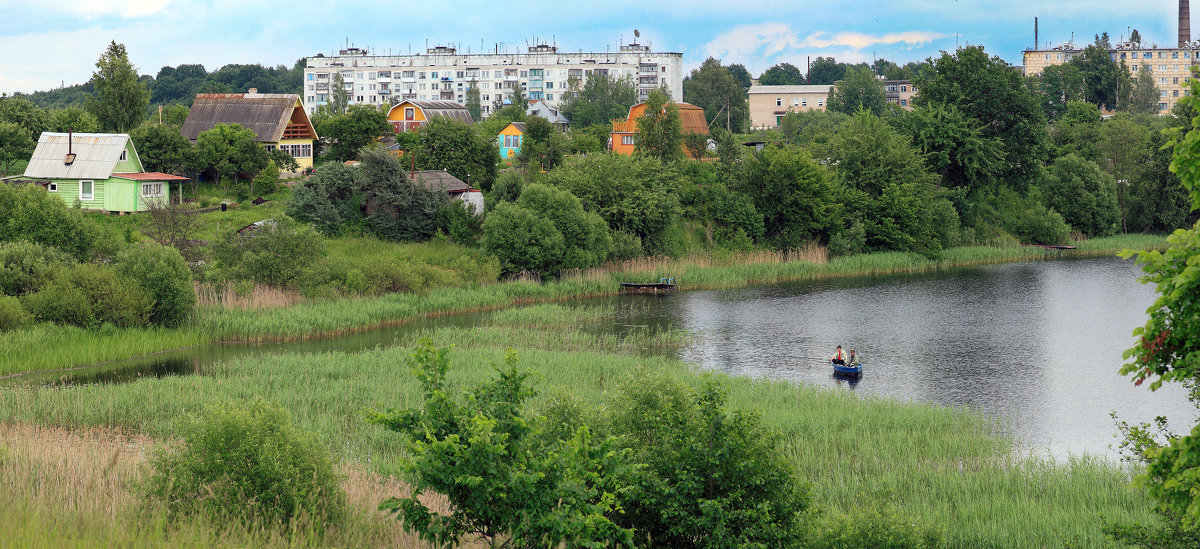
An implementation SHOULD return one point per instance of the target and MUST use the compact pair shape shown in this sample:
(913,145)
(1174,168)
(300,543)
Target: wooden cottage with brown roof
(277,119)
(409,115)
(624,132)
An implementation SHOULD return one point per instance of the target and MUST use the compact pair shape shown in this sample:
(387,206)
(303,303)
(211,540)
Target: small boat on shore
(847,370)
(662,287)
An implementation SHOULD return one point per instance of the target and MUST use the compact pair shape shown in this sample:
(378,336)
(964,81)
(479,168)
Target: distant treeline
(179,85)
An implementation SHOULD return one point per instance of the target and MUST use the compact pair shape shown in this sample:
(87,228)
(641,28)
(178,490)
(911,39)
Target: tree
(15,146)
(659,130)
(542,146)
(174,225)
(825,70)
(164,275)
(714,89)
(1141,96)
(954,147)
(230,150)
(277,253)
(358,127)
(782,74)
(1058,85)
(339,97)
(867,155)
(121,99)
(30,213)
(457,147)
(601,99)
(859,90)
(73,118)
(1103,42)
(1135,38)
(473,105)
(163,149)
(1102,76)
(507,479)
(1125,146)
(24,113)
(403,209)
(1085,196)
(522,240)
(793,193)
(742,75)
(586,241)
(986,89)
(518,97)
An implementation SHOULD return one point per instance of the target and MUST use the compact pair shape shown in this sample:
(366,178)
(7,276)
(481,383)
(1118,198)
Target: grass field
(938,465)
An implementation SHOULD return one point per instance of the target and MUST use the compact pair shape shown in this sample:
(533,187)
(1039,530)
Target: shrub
(30,213)
(275,253)
(625,245)
(89,295)
(162,273)
(712,478)
(586,241)
(462,226)
(247,463)
(522,241)
(508,187)
(27,266)
(12,314)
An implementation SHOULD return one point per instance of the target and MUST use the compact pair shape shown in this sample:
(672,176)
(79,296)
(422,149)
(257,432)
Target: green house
(98,171)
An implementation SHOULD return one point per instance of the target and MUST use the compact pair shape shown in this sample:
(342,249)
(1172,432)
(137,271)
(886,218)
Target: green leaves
(121,98)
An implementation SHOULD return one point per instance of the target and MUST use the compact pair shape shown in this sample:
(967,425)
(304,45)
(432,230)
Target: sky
(50,43)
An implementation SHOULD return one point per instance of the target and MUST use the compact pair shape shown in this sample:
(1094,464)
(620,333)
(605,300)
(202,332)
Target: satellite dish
(636,34)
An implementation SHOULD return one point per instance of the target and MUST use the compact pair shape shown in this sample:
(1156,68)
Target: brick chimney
(1185,24)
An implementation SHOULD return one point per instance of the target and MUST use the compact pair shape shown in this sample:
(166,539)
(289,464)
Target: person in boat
(853,358)
(839,357)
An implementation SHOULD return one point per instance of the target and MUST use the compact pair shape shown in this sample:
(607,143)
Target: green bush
(625,245)
(457,222)
(871,527)
(712,478)
(522,240)
(27,266)
(30,213)
(276,253)
(586,240)
(266,181)
(246,463)
(161,272)
(12,314)
(508,187)
(89,295)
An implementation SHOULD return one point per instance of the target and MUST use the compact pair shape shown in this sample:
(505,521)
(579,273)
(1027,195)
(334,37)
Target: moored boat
(848,370)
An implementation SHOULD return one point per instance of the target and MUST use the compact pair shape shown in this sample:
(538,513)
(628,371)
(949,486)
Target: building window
(310,76)
(1122,55)
(626,139)
(795,101)
(1174,55)
(1175,80)
(124,156)
(778,101)
(1174,93)
(903,88)
(549,85)
(152,190)
(87,190)
(820,102)
(549,97)
(903,102)
(1162,106)
(1162,55)
(53,187)
(459,74)
(804,102)
(778,120)
(1047,56)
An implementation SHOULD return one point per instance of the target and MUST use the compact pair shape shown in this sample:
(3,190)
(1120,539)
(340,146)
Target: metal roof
(520,126)
(441,180)
(265,114)
(543,110)
(810,88)
(446,109)
(96,155)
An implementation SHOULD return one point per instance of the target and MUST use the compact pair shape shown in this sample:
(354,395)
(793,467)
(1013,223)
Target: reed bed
(258,297)
(49,347)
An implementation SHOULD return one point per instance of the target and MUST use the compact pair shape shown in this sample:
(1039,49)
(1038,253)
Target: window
(778,120)
(1174,93)
(1175,80)
(804,102)
(1122,55)
(524,74)
(1133,68)
(53,187)
(1174,55)
(549,85)
(1162,55)
(421,75)
(433,74)
(410,74)
(124,155)
(87,190)
(903,88)
(1162,106)
(778,101)
(1147,55)
(626,139)
(549,97)
(1162,80)
(310,76)
(820,102)
(903,102)
(1162,93)
(152,190)
(459,74)
(795,101)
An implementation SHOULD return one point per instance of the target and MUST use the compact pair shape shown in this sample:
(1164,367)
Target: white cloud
(123,8)
(760,45)
(860,41)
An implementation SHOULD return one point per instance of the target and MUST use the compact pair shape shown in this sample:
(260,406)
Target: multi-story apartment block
(444,74)
(1172,67)
(900,92)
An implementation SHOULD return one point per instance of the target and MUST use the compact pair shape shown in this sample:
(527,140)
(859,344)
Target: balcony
(624,126)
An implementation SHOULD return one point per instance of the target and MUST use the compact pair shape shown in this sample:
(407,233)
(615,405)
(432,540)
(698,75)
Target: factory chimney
(1185,24)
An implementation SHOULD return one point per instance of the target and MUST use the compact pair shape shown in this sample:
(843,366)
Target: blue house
(509,140)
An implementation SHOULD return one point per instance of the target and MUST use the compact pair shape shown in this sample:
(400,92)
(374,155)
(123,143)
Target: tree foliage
(164,275)
(601,99)
(782,74)
(1141,95)
(474,107)
(793,193)
(954,147)
(858,90)
(30,213)
(15,146)
(715,89)
(458,148)
(163,149)
(348,133)
(659,129)
(1085,196)
(742,75)
(121,98)
(1102,76)
(542,146)
(231,151)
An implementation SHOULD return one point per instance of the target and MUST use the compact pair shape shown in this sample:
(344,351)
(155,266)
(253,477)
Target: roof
(441,180)
(445,109)
(520,126)
(265,114)
(149,176)
(543,110)
(812,88)
(96,155)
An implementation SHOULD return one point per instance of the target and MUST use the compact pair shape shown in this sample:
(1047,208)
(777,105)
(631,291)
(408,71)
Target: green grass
(949,467)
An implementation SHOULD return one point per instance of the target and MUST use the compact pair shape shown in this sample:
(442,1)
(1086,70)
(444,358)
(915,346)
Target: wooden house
(277,119)
(691,119)
(509,140)
(540,108)
(409,115)
(98,171)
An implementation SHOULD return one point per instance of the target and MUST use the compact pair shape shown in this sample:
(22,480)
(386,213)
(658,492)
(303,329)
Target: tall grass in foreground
(939,465)
(311,319)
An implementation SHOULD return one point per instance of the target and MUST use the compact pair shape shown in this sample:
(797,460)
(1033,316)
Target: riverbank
(932,465)
(50,347)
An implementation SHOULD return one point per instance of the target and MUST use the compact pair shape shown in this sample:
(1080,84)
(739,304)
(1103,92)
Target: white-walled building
(443,74)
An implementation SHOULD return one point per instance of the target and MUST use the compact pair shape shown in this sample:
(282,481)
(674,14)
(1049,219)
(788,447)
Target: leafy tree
(1059,85)
(601,99)
(73,118)
(1141,96)
(586,242)
(15,146)
(266,181)
(824,70)
(522,240)
(1103,42)
(954,147)
(360,126)
(175,115)
(742,75)
(659,130)
(25,114)
(518,97)
(121,99)
(782,74)
(403,209)
(986,89)
(542,146)
(458,148)
(1125,149)
(26,267)
(1084,195)
(1157,200)
(811,126)
(275,253)
(867,155)
(793,193)
(1136,38)
(505,482)
(91,295)
(30,213)
(499,119)
(714,89)
(859,90)
(163,149)
(164,275)
(473,101)
(1101,75)
(230,150)
(329,199)
(339,97)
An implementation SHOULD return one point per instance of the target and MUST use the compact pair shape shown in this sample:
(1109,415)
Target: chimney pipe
(1035,33)
(1185,24)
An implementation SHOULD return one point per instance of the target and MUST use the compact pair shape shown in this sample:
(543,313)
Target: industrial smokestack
(1035,36)
(1185,24)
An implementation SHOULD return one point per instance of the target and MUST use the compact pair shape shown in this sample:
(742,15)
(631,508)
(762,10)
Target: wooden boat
(848,370)
(662,287)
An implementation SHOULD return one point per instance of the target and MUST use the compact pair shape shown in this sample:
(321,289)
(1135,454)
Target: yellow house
(277,119)
(409,115)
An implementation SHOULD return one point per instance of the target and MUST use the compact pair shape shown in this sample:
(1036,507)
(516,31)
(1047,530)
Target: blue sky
(50,42)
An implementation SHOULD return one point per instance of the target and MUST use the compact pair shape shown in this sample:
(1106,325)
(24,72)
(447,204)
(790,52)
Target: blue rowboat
(848,370)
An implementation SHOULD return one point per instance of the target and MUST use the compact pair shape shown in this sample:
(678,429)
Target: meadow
(934,465)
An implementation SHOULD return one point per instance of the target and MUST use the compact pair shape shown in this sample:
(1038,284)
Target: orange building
(691,119)
(410,115)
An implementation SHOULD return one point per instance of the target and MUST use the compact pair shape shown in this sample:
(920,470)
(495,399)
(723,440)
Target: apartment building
(443,74)
(768,104)
(900,92)
(1171,67)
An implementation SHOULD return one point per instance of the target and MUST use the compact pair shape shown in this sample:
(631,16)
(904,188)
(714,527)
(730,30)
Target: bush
(625,245)
(30,213)
(457,222)
(586,241)
(522,241)
(89,295)
(164,275)
(247,463)
(275,253)
(712,478)
(27,266)
(508,187)
(12,314)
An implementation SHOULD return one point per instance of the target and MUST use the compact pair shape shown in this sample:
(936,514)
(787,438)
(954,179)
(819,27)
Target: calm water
(1036,344)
